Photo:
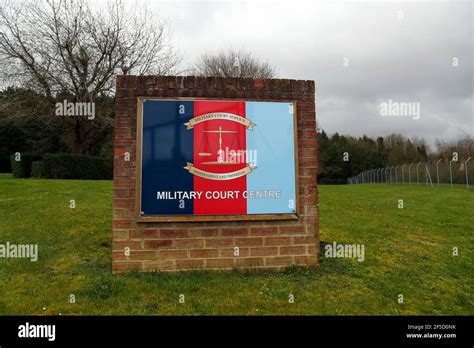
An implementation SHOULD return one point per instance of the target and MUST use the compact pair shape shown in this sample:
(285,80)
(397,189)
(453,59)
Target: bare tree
(464,146)
(234,63)
(74,49)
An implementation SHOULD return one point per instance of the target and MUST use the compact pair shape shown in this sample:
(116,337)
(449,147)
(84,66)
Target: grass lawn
(407,251)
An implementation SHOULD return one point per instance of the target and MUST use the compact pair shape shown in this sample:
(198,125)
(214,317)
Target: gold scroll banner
(220,116)
(219,176)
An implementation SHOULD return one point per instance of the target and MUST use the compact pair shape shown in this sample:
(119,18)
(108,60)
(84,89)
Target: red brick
(174,233)
(120,81)
(309,219)
(122,119)
(123,183)
(291,229)
(124,142)
(136,234)
(204,253)
(311,210)
(264,231)
(121,245)
(134,255)
(305,142)
(312,260)
(155,244)
(264,251)
(122,224)
(124,203)
(304,240)
(173,254)
(119,151)
(307,161)
(123,193)
(189,264)
(249,241)
(220,263)
(309,200)
(292,250)
(249,262)
(312,249)
(125,266)
(307,152)
(189,243)
(161,265)
(203,232)
(117,235)
(234,232)
(122,213)
(278,261)
(210,243)
(277,240)
(121,171)
(229,252)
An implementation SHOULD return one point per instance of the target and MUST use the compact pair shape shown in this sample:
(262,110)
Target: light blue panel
(273,138)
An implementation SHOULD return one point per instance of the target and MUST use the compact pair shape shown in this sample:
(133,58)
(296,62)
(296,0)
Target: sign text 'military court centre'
(208,157)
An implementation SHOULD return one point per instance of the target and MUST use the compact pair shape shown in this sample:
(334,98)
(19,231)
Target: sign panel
(215,158)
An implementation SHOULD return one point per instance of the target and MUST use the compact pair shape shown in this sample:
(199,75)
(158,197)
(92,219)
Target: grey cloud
(407,61)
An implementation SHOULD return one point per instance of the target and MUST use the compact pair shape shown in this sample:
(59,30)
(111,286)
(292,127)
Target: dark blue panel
(166,147)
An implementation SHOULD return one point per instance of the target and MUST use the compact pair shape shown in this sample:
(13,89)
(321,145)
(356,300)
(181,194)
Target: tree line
(342,156)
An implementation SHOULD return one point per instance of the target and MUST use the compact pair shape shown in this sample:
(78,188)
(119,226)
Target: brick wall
(170,246)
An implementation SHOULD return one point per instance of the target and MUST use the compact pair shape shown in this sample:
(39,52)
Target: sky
(360,55)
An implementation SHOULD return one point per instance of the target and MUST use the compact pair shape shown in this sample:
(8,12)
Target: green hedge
(22,168)
(72,166)
(37,169)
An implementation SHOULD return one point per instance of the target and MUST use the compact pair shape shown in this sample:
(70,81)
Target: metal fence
(420,173)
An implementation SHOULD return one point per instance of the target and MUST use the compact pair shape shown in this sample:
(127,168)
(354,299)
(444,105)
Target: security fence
(420,173)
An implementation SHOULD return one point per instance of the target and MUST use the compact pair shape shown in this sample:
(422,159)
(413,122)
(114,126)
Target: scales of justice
(205,147)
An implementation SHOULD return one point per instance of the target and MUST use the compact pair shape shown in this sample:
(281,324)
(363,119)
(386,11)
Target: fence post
(417,174)
(437,170)
(403,174)
(409,173)
(467,174)
(451,173)
(428,174)
(396,174)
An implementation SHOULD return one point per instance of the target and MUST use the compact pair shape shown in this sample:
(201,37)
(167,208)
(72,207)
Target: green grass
(407,251)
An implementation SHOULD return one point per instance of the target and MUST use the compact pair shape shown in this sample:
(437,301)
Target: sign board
(215,160)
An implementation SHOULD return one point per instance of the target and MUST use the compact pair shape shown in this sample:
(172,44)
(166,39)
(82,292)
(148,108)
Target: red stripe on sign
(211,139)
